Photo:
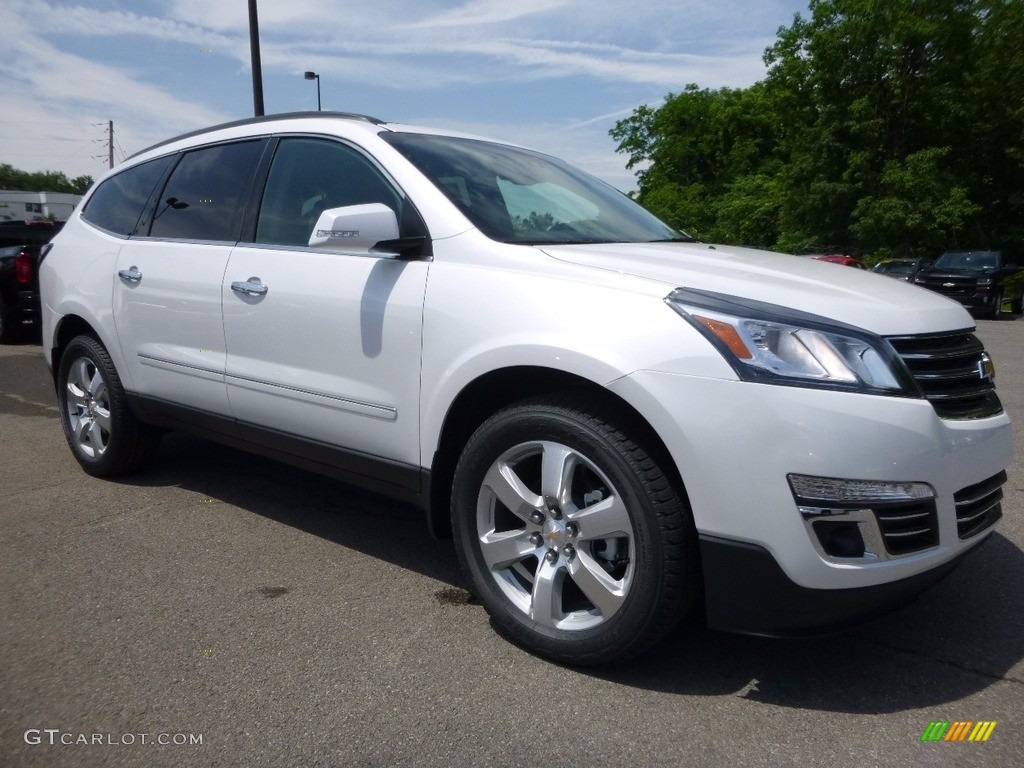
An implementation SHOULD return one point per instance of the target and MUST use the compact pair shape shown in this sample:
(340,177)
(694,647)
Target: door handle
(132,274)
(251,287)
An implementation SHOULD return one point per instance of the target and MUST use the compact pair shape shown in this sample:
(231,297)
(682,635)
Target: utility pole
(257,68)
(110,143)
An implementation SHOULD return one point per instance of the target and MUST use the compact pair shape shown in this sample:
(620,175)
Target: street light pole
(257,68)
(315,76)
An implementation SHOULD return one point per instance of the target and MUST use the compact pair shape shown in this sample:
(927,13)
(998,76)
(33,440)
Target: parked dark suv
(977,279)
(20,246)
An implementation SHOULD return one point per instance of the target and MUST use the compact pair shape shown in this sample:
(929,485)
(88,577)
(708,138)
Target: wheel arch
(492,391)
(68,327)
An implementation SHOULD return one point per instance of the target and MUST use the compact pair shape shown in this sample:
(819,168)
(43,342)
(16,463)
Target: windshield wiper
(686,239)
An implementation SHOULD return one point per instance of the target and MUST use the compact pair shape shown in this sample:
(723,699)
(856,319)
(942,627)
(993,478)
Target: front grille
(979,506)
(907,528)
(954,286)
(950,370)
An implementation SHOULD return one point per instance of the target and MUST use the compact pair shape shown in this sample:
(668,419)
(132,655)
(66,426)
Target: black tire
(613,592)
(103,433)
(997,306)
(1017,307)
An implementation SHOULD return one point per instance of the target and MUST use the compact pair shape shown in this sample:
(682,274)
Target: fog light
(866,519)
(839,539)
(832,490)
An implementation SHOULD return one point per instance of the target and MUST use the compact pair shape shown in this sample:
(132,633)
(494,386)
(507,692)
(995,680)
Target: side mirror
(354,228)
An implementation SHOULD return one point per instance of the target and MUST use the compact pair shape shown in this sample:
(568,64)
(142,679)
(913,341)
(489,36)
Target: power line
(45,138)
(117,144)
(33,122)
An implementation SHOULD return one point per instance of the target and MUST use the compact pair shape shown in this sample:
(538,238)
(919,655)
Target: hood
(852,296)
(958,270)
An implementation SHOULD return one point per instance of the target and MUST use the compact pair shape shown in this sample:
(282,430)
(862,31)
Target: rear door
(167,290)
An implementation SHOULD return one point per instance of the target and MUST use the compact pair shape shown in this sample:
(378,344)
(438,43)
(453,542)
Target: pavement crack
(948,662)
(33,403)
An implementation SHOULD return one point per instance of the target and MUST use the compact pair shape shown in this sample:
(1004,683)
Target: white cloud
(480,12)
(538,63)
(59,99)
(378,43)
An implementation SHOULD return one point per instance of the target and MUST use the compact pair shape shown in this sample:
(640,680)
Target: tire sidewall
(1017,307)
(997,306)
(85,346)
(615,635)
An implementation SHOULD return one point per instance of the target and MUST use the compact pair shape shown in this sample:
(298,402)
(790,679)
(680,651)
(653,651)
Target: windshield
(898,267)
(969,260)
(518,196)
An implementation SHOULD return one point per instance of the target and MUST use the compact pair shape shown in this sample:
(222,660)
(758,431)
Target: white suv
(611,418)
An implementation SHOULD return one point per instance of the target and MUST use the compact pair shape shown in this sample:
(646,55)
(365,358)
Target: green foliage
(919,208)
(42,181)
(535,222)
(703,146)
(892,127)
(1015,284)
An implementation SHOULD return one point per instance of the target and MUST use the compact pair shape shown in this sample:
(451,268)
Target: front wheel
(104,435)
(571,533)
(997,306)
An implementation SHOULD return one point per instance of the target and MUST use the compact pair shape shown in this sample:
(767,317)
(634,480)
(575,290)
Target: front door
(323,346)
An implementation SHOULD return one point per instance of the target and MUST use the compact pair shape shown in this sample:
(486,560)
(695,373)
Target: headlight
(984,281)
(773,344)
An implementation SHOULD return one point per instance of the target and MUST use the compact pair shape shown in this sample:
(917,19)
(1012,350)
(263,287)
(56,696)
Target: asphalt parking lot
(220,609)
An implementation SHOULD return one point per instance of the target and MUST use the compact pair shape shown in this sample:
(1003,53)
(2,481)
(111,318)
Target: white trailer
(16,205)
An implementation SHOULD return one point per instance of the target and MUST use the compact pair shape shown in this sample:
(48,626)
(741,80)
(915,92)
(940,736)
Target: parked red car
(846,261)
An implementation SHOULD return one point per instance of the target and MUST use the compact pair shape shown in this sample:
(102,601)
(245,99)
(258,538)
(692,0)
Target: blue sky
(551,74)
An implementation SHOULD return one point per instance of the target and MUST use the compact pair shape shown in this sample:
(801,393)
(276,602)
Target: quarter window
(204,197)
(118,202)
(309,176)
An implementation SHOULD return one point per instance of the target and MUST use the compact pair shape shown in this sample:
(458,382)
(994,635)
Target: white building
(16,205)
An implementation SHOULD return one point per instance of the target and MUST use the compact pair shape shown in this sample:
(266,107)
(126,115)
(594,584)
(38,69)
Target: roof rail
(264,119)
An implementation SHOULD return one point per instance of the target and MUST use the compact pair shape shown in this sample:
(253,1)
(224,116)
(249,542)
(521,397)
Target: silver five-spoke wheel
(555,535)
(104,434)
(88,407)
(571,533)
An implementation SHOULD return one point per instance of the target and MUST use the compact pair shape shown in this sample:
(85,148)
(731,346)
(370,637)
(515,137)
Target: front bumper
(982,301)
(25,311)
(734,444)
(747,592)
(972,297)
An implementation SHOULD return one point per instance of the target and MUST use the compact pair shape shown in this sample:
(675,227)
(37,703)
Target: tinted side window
(118,202)
(204,195)
(309,176)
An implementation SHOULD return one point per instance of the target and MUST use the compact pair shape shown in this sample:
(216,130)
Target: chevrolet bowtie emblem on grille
(986,368)
(948,285)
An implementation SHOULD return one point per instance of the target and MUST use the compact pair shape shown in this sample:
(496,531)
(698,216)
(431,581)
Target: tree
(696,149)
(870,84)
(42,181)
(883,126)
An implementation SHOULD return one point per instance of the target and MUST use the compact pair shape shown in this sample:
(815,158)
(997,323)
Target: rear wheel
(101,429)
(1017,307)
(571,533)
